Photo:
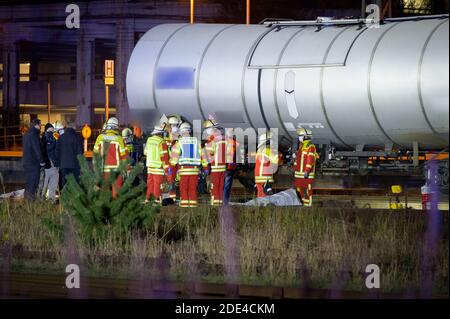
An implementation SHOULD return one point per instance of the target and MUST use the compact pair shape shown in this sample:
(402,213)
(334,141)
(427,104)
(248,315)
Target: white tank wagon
(358,86)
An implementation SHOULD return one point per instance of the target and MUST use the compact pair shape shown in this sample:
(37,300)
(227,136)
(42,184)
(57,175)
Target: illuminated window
(417,6)
(24,72)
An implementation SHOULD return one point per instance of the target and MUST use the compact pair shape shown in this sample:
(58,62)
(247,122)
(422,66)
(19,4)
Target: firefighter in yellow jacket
(157,163)
(266,165)
(111,146)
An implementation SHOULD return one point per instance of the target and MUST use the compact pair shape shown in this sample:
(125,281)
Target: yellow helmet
(304,132)
(210,123)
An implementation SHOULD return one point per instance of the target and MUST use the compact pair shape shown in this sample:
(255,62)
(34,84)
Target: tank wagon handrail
(267,20)
(319,22)
(337,22)
(417,18)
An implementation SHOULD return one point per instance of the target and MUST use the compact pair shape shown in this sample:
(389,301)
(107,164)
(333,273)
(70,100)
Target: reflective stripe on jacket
(157,155)
(266,164)
(186,152)
(116,152)
(215,153)
(305,161)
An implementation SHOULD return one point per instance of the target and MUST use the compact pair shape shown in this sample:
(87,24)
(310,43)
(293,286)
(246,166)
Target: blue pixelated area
(175,78)
(189,151)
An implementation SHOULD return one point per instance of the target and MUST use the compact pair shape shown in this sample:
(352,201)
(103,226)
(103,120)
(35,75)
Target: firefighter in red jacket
(174,122)
(157,162)
(116,153)
(304,166)
(266,165)
(215,153)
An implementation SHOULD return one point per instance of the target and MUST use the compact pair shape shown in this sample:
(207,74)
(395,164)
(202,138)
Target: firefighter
(157,163)
(215,157)
(266,165)
(131,145)
(111,146)
(174,122)
(304,166)
(186,153)
(232,147)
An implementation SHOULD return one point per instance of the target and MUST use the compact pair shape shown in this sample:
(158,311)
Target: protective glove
(169,171)
(306,175)
(205,172)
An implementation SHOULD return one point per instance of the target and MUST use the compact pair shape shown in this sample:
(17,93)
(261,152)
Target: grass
(282,247)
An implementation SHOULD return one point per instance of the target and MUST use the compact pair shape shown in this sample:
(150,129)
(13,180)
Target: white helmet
(174,120)
(127,132)
(185,127)
(263,138)
(159,129)
(112,122)
(58,126)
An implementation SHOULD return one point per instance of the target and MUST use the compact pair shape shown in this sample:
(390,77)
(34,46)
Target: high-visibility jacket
(187,154)
(157,155)
(266,164)
(305,161)
(231,153)
(171,140)
(116,152)
(215,153)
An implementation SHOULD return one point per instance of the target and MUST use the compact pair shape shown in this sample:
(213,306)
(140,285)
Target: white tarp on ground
(16,194)
(285,198)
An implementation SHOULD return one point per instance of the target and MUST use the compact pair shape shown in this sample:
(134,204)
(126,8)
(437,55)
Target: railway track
(20,285)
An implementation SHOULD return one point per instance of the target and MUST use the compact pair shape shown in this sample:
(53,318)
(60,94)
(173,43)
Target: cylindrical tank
(353,85)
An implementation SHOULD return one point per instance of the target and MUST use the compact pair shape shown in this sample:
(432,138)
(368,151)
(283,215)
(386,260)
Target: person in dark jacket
(32,159)
(68,147)
(51,170)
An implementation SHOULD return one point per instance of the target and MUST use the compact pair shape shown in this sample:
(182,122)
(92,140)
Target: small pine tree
(92,205)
